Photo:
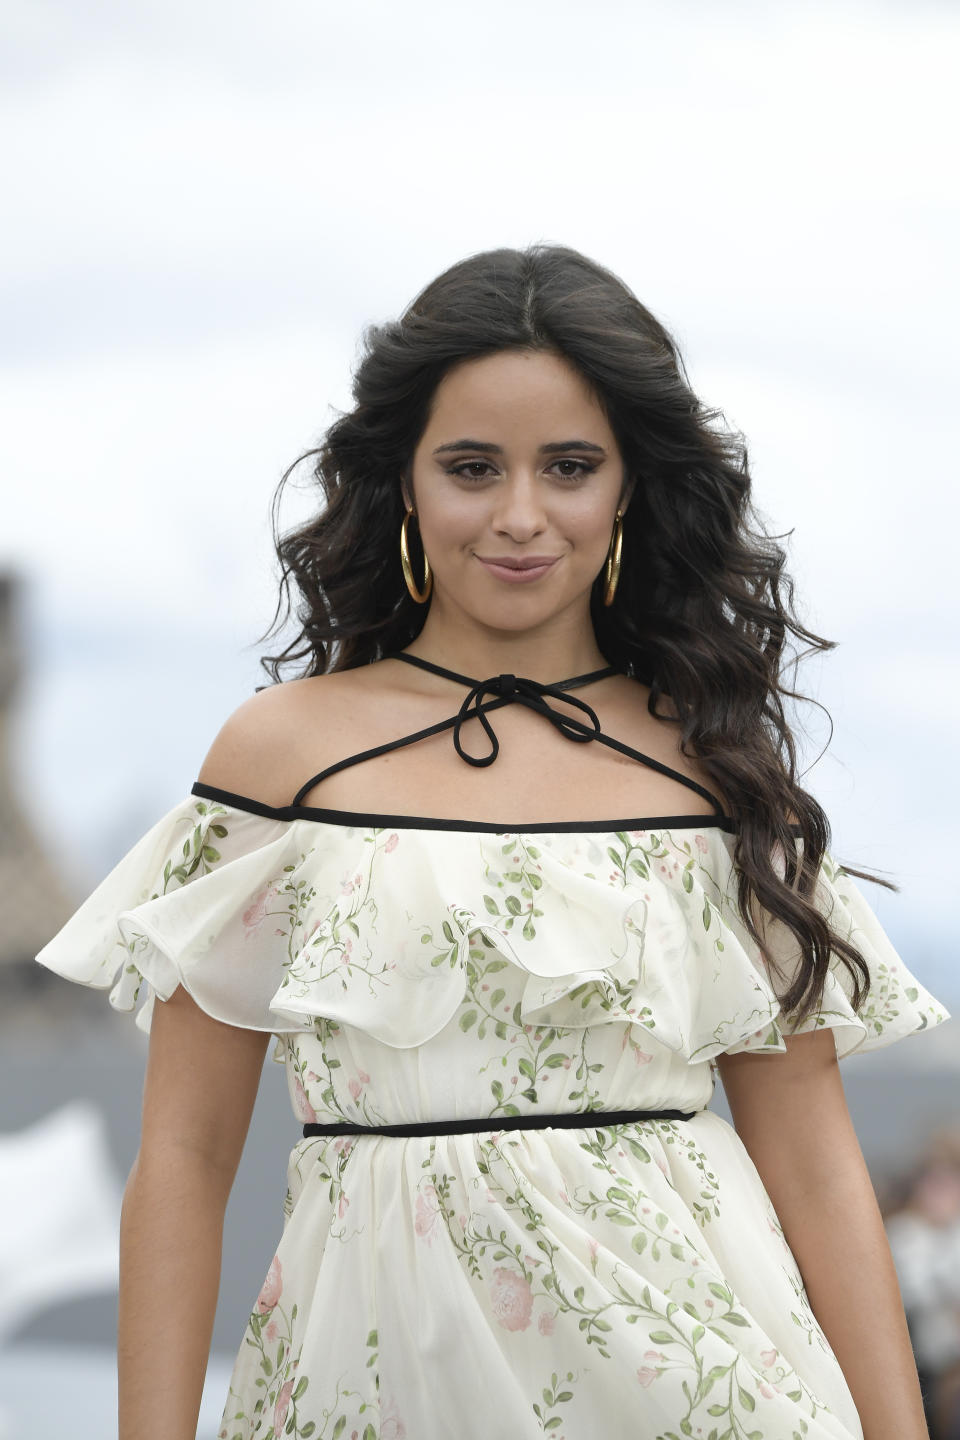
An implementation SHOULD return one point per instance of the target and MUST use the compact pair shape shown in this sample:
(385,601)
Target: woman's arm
(791,1113)
(201,1084)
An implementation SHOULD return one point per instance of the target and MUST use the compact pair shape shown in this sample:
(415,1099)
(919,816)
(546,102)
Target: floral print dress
(628,1280)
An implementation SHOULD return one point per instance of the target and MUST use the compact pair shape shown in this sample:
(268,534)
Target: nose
(518,507)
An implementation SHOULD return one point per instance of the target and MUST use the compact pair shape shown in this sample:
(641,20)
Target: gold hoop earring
(611,571)
(421,596)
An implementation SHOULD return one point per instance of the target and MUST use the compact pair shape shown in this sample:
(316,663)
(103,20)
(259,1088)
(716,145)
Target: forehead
(516,389)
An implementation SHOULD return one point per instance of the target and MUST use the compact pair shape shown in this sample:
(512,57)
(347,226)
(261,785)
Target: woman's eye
(580,468)
(468,465)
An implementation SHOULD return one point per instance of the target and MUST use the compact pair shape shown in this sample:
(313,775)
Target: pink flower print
(593,1248)
(512,1299)
(654,1355)
(391,1426)
(546,1323)
(272,1287)
(391,843)
(701,843)
(642,1057)
(428,1213)
(271,1330)
(767,1391)
(342,1204)
(305,1110)
(283,1404)
(768,1357)
(255,914)
(363,1077)
(346,886)
(355,1087)
(646,1375)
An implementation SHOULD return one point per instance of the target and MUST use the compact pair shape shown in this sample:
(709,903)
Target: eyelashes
(584,469)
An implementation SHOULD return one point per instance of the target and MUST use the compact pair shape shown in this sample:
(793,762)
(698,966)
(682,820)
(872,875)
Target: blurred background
(205,204)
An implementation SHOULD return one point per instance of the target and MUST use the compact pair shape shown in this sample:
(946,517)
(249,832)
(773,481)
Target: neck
(543,658)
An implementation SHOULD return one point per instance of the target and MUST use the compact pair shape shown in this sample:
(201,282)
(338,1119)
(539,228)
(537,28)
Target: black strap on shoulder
(510,689)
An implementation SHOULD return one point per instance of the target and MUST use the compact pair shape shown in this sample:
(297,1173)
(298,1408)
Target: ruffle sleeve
(189,905)
(896,1004)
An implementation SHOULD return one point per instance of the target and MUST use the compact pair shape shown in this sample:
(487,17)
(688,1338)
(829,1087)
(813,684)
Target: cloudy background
(206,202)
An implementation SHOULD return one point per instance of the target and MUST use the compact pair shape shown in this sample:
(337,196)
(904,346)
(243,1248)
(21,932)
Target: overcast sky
(205,204)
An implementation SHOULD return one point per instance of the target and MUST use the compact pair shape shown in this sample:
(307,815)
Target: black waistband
(570,1119)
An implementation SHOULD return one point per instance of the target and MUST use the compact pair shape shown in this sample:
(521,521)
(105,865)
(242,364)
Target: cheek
(453,522)
(587,527)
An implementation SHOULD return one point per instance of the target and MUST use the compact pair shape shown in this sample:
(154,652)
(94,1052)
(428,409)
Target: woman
(505,965)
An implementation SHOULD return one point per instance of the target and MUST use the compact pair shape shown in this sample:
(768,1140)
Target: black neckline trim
(433,822)
(573,682)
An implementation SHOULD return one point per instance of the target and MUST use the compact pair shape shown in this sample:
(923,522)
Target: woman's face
(517,463)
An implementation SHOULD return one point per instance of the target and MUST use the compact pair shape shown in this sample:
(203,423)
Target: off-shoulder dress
(488,1269)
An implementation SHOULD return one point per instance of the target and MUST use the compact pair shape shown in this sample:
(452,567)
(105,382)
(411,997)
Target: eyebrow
(490,449)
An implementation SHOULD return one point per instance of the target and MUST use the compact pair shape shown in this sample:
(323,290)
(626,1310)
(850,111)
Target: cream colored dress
(626,1281)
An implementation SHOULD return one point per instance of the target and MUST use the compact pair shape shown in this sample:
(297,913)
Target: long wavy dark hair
(703,604)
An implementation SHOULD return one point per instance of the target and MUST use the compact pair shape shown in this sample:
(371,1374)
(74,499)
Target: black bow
(524,692)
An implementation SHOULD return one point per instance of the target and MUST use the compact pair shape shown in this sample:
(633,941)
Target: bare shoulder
(262,746)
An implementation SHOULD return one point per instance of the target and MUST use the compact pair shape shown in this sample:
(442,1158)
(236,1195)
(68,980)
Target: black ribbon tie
(522,691)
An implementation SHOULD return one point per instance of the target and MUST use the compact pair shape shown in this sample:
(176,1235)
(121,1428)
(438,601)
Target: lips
(517,571)
(529,562)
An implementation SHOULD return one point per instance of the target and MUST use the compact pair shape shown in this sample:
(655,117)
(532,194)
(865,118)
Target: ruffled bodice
(288,924)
